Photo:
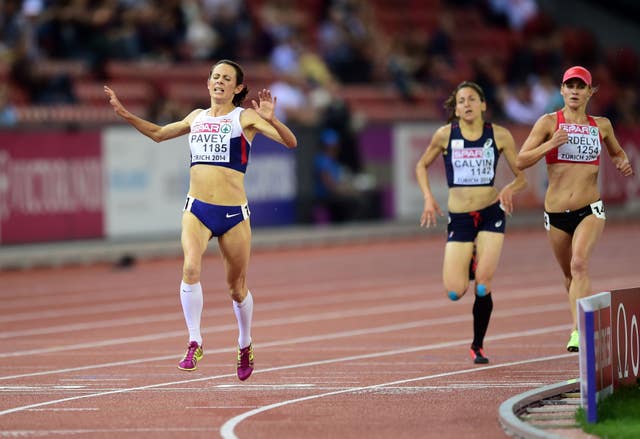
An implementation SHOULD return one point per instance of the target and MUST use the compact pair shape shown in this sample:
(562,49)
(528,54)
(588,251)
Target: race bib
(597,208)
(210,142)
(472,166)
(583,144)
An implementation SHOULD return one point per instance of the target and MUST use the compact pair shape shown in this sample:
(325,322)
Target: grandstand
(142,81)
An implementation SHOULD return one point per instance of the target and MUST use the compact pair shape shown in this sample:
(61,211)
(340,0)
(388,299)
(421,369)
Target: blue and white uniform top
(471,162)
(219,141)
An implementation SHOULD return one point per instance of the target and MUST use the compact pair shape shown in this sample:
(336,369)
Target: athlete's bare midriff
(571,186)
(467,199)
(217,185)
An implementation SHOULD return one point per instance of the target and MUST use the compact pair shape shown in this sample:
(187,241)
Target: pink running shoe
(191,358)
(245,362)
(477,354)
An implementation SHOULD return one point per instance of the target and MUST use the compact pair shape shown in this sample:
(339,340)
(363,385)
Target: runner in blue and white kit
(220,141)
(471,148)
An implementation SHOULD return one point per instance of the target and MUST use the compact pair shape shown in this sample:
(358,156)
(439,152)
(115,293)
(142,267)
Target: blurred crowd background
(384,58)
(337,67)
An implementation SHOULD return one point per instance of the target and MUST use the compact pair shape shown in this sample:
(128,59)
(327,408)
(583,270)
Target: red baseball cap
(577,72)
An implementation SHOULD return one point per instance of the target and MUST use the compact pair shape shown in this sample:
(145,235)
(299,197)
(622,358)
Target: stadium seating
(143,84)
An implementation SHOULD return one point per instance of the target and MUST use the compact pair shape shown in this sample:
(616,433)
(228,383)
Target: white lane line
(38,388)
(213,312)
(368,292)
(266,386)
(94,379)
(89,303)
(227,430)
(86,431)
(461,386)
(306,318)
(88,310)
(296,366)
(306,339)
(79,409)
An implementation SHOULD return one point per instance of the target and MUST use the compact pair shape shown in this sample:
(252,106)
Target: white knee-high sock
(191,299)
(244,315)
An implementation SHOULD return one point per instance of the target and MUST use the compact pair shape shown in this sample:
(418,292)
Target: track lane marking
(527,333)
(305,339)
(379,309)
(212,312)
(227,430)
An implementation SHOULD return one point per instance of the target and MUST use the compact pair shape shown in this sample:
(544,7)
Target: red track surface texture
(350,341)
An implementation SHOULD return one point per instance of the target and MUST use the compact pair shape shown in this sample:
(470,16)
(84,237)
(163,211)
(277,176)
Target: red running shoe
(191,358)
(477,354)
(245,362)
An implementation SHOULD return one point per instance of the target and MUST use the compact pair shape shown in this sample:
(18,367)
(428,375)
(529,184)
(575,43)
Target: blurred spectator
(518,104)
(38,87)
(345,47)
(538,51)
(516,13)
(346,42)
(200,37)
(10,26)
(623,64)
(230,22)
(313,68)
(579,47)
(344,196)
(160,29)
(441,41)
(8,113)
(625,108)
(293,103)
(303,80)
(336,115)
(524,102)
(546,85)
(79,30)
(228,9)
(285,57)
(279,19)
(407,61)
(440,74)
(164,110)
(262,42)
(489,74)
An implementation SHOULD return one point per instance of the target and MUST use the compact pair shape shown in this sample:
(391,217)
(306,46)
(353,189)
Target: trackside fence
(609,345)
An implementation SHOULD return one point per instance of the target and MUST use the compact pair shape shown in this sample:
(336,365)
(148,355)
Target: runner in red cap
(571,142)
(577,72)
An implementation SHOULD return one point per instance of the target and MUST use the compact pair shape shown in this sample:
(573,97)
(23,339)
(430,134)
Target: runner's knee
(238,295)
(191,272)
(579,266)
(237,288)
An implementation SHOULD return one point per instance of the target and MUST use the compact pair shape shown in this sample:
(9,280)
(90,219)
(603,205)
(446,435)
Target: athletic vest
(219,141)
(584,143)
(471,163)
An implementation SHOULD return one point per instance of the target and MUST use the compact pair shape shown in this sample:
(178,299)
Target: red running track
(351,341)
